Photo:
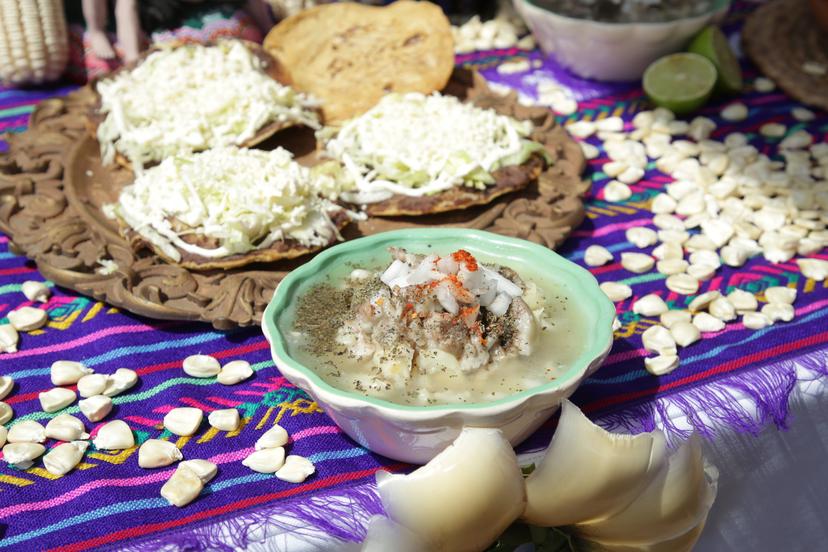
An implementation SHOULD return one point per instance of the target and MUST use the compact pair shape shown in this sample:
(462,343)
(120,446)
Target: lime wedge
(712,44)
(680,82)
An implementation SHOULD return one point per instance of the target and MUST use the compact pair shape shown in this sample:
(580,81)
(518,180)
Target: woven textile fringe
(746,402)
(341,514)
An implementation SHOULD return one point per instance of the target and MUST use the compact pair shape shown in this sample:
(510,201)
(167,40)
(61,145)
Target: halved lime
(680,82)
(712,44)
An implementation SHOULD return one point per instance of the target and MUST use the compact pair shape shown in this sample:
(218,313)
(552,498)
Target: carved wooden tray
(52,185)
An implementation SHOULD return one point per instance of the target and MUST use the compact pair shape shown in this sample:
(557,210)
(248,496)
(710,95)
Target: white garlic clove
(274,437)
(22,454)
(683,284)
(234,372)
(673,317)
(708,323)
(9,338)
(661,364)
(183,421)
(669,267)
(201,366)
(641,237)
(296,469)
(668,250)
(597,255)
(743,301)
(265,460)
(65,427)
(755,320)
(204,469)
(182,488)
(722,309)
(6,412)
(778,311)
(616,191)
(68,372)
(6,385)
(658,340)
(96,407)
(616,291)
(120,381)
(815,269)
(26,319)
(224,420)
(702,301)
(92,384)
(26,431)
(56,399)
(35,291)
(155,453)
(650,305)
(115,435)
(64,457)
(685,333)
(775,294)
(637,263)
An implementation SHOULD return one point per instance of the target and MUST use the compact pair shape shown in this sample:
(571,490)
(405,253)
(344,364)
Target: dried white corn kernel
(96,407)
(65,427)
(9,339)
(671,266)
(755,320)
(815,269)
(650,305)
(155,453)
(35,291)
(815,68)
(637,262)
(265,460)
(64,457)
(673,317)
(6,385)
(92,384)
(617,191)
(224,420)
(182,488)
(722,309)
(26,431)
(683,284)
(735,112)
(778,311)
(670,235)
(658,340)
(661,365)
(56,399)
(631,175)
(183,421)
(590,151)
(26,319)
(666,221)
(610,124)
(803,115)
(115,435)
(701,272)
(776,254)
(235,371)
(581,129)
(6,413)
(204,469)
(797,140)
(807,246)
(641,237)
(708,323)
(120,381)
(702,301)
(685,333)
(762,84)
(775,294)
(668,250)
(733,256)
(700,128)
(616,325)
(773,130)
(296,469)
(597,255)
(201,366)
(68,372)
(735,140)
(274,437)
(691,204)
(3,434)
(614,168)
(22,454)
(705,257)
(743,301)
(616,291)
(663,204)
(700,242)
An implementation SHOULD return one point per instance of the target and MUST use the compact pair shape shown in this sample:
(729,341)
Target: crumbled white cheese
(192,98)
(416,145)
(245,199)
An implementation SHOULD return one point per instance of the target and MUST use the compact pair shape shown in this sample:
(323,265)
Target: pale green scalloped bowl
(417,433)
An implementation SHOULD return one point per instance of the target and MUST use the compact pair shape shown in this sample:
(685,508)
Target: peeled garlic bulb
(384,534)
(682,543)
(588,473)
(464,498)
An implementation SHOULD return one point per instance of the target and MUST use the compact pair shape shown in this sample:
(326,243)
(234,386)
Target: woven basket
(33,41)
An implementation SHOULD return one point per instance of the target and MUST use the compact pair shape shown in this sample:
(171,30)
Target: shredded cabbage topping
(191,98)
(241,199)
(415,145)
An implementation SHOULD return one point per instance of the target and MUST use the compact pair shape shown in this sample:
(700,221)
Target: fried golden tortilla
(349,55)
